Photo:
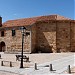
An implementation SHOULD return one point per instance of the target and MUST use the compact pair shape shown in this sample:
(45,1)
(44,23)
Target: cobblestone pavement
(41,59)
(73,70)
(7,73)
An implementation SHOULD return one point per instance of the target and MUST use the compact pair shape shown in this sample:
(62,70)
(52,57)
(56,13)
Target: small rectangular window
(13,32)
(2,33)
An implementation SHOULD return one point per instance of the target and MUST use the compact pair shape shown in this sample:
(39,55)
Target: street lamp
(23,31)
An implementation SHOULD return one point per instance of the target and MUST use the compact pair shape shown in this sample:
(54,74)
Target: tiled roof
(30,21)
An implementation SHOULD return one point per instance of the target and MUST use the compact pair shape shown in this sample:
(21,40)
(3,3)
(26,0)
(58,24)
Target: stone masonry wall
(14,43)
(33,38)
(50,36)
(72,36)
(46,36)
(63,36)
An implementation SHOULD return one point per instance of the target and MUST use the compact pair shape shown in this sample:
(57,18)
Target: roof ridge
(32,17)
(32,20)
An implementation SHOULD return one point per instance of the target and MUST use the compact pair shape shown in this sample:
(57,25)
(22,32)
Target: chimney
(0,21)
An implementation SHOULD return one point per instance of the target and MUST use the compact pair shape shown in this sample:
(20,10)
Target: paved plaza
(59,61)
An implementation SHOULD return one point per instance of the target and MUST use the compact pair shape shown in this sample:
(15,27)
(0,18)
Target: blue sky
(14,9)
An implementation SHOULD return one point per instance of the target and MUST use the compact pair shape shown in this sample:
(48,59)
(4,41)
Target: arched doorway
(2,46)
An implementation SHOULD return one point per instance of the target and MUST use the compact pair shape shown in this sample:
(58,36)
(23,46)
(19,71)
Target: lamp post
(23,30)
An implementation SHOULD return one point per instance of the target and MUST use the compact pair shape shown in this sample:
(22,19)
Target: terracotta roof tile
(30,21)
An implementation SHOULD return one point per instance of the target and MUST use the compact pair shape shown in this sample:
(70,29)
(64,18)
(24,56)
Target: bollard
(1,63)
(10,64)
(0,56)
(35,66)
(50,67)
(69,69)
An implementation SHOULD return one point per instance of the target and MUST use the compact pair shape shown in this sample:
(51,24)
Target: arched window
(2,46)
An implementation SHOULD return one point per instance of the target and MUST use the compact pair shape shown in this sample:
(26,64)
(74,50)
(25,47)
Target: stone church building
(51,33)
